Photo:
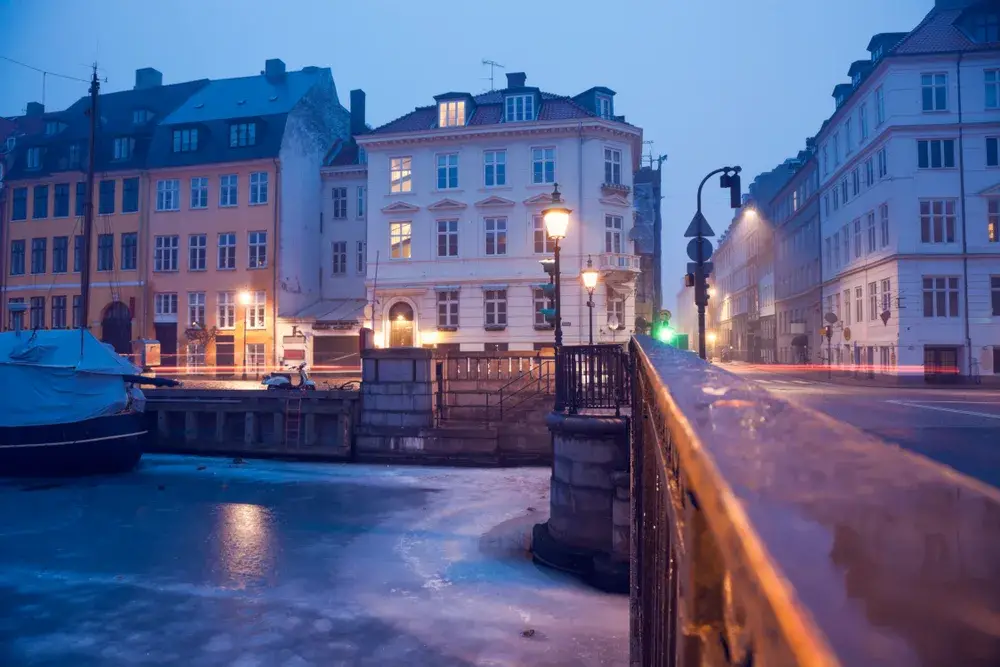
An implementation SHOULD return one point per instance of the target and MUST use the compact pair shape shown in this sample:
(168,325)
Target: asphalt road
(958,427)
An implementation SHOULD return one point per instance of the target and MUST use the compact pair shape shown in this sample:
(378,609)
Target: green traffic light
(665,334)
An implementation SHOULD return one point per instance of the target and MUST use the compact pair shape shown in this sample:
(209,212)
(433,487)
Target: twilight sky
(711,82)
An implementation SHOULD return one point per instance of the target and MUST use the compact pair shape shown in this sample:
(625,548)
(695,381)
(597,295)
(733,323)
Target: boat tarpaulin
(59,377)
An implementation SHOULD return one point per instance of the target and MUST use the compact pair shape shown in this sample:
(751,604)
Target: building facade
(455,233)
(911,199)
(647,235)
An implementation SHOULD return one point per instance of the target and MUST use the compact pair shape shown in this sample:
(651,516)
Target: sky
(712,82)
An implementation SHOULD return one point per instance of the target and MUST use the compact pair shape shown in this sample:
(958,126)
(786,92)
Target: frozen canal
(205,562)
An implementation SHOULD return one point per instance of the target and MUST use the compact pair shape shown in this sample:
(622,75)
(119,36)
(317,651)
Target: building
(455,232)
(234,203)
(11,130)
(685,320)
(647,235)
(911,199)
(794,211)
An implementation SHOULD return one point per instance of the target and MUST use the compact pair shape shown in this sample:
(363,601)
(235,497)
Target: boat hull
(102,445)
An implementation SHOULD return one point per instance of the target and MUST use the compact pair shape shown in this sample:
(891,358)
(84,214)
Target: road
(959,427)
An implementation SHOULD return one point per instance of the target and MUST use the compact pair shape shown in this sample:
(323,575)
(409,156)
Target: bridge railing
(766,533)
(592,377)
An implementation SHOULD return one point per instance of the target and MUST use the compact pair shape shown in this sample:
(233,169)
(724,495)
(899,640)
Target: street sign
(706,267)
(699,227)
(699,249)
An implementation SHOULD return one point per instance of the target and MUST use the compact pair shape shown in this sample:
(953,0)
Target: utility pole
(88,205)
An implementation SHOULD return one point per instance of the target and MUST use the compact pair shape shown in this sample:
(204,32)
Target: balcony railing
(592,377)
(616,261)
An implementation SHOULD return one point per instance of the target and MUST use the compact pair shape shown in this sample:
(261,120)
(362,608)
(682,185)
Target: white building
(455,235)
(910,181)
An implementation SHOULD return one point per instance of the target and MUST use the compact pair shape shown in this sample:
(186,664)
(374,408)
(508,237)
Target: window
(195,356)
(846,237)
(165,304)
(543,165)
(863,121)
(451,113)
(879,106)
(123,148)
(399,240)
(869,172)
(81,199)
(400,174)
(339,258)
(37,312)
(447,238)
(19,205)
(258,188)
(34,158)
(40,207)
(848,142)
(186,141)
(130,251)
(361,202)
(495,302)
(105,252)
(197,252)
(993,220)
(74,156)
(940,297)
(542,301)
(886,295)
(828,255)
(995,295)
(226,312)
(229,190)
(871,231)
(15,319)
(168,195)
(986,27)
(543,244)
(872,301)
(242,134)
(991,77)
(857,238)
(604,106)
(52,127)
(612,166)
(843,190)
(936,153)
(362,256)
(339,203)
(847,307)
(883,163)
(616,309)
(447,306)
(58,312)
(494,168)
(613,233)
(826,161)
(258,250)
(937,221)
(60,207)
(519,107)
(165,253)
(855,182)
(227,251)
(934,92)
(77,253)
(992,158)
(106,200)
(196,309)
(38,253)
(447,171)
(256,310)
(836,148)
(77,311)
(17,257)
(199,192)
(496,236)
(859,304)
(60,254)
(826,203)
(130,195)
(256,359)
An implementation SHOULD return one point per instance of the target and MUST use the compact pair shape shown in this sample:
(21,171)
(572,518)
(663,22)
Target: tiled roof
(345,154)
(939,33)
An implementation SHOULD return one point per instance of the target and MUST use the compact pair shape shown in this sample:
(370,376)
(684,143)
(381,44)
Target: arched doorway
(116,327)
(401,325)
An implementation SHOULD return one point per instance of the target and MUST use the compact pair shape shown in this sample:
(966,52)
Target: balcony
(616,261)
(615,189)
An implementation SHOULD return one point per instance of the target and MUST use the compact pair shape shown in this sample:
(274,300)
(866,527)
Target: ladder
(293,422)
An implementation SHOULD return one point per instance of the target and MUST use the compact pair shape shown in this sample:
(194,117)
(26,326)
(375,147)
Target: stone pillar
(396,401)
(580,535)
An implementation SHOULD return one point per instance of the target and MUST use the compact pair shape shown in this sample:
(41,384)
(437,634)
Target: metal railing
(592,377)
(486,386)
(618,261)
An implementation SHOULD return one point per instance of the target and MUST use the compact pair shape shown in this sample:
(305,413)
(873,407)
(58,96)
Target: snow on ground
(291,564)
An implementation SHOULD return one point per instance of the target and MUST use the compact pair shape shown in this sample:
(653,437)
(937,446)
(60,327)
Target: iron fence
(592,377)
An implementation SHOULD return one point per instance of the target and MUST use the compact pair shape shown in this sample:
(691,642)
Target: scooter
(283,381)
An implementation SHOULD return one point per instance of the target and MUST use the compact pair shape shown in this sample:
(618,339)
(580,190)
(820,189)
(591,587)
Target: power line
(44,72)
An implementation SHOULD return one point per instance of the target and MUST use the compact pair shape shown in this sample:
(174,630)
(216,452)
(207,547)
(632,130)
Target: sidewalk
(840,376)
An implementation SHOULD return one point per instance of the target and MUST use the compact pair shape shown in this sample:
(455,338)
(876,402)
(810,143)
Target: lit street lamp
(245,300)
(711,337)
(556,219)
(589,277)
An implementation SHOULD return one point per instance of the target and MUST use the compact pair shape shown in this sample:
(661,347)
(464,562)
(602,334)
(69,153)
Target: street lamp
(711,338)
(589,278)
(556,218)
(245,300)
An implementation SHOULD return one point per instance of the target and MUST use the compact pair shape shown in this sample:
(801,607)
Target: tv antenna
(493,65)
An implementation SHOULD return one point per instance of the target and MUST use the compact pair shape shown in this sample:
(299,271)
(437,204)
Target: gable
(400,207)
(543,199)
(494,202)
(447,205)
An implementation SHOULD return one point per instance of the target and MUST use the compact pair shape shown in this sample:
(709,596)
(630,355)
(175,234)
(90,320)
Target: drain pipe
(582,218)
(965,236)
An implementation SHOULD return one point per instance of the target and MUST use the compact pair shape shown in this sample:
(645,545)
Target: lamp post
(245,300)
(589,278)
(556,218)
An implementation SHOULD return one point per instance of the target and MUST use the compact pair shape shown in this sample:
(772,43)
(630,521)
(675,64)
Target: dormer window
(519,108)
(451,113)
(840,101)
(604,106)
(52,127)
(141,116)
(34,158)
(877,54)
(362,156)
(242,134)
(123,148)
(856,79)
(74,156)
(986,28)
(186,141)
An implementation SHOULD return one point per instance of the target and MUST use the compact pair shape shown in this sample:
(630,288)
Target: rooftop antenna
(493,65)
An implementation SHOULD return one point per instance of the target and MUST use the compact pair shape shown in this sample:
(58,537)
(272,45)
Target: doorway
(401,325)
(941,364)
(116,327)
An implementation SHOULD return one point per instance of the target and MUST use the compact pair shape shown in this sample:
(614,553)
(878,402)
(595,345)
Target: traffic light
(732,181)
(688,280)
(827,331)
(549,314)
(664,333)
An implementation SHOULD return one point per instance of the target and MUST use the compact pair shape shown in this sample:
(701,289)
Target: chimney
(516,79)
(34,109)
(147,77)
(274,69)
(358,112)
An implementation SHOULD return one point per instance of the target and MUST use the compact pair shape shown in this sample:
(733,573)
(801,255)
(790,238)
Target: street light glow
(245,298)
(750,213)
(590,275)
(711,337)
(712,291)
(556,217)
